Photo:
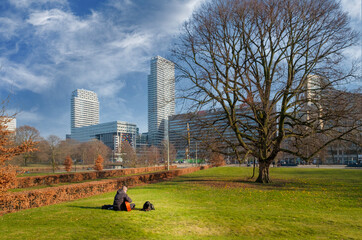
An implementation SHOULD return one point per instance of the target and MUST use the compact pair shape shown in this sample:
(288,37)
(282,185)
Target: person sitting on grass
(119,203)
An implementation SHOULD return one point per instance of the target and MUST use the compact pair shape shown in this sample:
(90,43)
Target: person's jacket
(119,199)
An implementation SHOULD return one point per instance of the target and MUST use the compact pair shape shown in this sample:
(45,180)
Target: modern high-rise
(84,109)
(161,98)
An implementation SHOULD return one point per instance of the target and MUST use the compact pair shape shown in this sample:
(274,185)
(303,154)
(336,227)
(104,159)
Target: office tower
(161,98)
(84,109)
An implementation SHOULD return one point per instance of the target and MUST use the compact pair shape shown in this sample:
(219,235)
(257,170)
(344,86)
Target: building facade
(161,98)
(112,134)
(10,124)
(192,133)
(84,109)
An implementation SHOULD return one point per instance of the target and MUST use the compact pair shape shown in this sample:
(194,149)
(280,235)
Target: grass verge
(218,203)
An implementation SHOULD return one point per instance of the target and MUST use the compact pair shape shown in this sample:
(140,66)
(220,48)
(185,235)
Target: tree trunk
(263,173)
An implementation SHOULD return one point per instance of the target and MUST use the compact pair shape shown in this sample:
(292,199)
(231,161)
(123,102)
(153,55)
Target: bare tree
(53,150)
(93,148)
(168,152)
(153,156)
(269,69)
(129,155)
(27,133)
(142,155)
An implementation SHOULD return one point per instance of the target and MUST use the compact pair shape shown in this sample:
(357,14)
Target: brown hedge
(26,182)
(49,169)
(12,202)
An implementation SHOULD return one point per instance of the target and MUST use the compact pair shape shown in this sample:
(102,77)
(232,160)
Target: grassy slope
(219,203)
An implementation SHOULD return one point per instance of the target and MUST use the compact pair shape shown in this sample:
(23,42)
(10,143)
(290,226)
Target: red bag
(128,206)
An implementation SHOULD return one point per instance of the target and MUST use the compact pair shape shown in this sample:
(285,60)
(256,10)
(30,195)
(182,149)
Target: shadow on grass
(100,208)
(276,184)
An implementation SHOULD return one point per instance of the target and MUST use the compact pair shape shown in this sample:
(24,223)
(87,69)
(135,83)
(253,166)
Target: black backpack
(148,206)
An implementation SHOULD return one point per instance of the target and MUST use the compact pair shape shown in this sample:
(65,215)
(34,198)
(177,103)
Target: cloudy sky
(48,48)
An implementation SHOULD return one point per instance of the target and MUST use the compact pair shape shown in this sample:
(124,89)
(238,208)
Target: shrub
(68,163)
(26,182)
(217,160)
(98,166)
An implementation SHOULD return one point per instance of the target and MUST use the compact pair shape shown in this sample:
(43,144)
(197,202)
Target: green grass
(218,203)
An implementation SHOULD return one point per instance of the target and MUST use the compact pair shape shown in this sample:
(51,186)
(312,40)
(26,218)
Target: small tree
(54,142)
(217,159)
(168,152)
(8,149)
(98,166)
(27,133)
(153,156)
(129,155)
(68,163)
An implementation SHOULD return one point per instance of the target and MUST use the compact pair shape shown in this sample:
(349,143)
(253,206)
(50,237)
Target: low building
(112,134)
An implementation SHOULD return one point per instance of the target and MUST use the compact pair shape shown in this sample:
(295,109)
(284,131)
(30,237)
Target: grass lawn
(218,203)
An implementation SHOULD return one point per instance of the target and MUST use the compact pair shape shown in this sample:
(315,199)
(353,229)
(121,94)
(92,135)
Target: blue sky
(48,48)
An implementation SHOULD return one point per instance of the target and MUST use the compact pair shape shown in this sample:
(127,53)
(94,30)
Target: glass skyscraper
(84,109)
(161,98)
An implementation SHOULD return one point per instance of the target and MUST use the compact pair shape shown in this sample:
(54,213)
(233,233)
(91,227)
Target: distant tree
(142,153)
(93,148)
(129,155)
(9,149)
(27,133)
(98,165)
(153,156)
(68,163)
(53,151)
(168,152)
(42,155)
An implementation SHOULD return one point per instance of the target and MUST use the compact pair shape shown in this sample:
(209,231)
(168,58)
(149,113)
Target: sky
(48,48)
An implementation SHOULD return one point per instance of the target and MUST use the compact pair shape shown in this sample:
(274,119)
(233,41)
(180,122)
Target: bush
(68,163)
(26,182)
(98,166)
(217,160)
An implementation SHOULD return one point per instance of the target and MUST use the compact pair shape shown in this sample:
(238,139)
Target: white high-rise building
(84,109)
(161,98)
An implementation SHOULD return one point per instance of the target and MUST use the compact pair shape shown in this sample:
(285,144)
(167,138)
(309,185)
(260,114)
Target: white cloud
(20,77)
(30,116)
(23,4)
(8,27)
(353,7)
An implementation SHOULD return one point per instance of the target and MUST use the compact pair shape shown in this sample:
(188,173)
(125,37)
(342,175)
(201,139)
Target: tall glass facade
(161,98)
(84,109)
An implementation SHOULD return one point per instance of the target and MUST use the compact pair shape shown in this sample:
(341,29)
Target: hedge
(26,182)
(11,202)
(49,169)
